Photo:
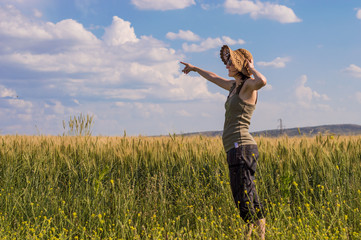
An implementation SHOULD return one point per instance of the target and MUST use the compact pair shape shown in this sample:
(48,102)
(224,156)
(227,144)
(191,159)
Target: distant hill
(337,129)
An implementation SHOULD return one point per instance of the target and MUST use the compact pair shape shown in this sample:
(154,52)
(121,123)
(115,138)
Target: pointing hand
(188,67)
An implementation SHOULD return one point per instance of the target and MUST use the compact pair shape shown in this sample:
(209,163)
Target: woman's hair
(243,77)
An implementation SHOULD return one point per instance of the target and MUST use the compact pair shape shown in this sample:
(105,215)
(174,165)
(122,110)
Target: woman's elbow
(264,81)
(260,82)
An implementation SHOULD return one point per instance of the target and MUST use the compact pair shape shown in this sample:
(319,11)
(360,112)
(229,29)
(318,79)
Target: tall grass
(174,188)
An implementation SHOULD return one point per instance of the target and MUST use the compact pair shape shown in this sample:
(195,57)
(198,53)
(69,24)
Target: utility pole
(281,126)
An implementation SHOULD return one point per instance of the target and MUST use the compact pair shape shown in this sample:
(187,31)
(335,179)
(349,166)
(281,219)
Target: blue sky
(119,61)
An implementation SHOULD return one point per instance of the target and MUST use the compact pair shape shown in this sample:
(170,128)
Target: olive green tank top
(237,120)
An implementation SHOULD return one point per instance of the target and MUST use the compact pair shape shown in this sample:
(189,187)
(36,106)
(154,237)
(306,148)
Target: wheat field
(174,187)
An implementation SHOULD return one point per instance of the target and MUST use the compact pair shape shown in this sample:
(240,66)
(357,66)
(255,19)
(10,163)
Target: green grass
(174,188)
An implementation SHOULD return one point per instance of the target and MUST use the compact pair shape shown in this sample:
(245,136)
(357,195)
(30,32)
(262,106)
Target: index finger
(184,63)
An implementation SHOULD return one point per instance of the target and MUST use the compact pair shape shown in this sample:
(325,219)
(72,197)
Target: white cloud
(306,96)
(205,6)
(268,87)
(67,62)
(185,35)
(12,106)
(188,88)
(258,9)
(141,109)
(230,41)
(130,94)
(24,32)
(13,24)
(162,4)
(358,97)
(119,33)
(19,103)
(210,43)
(183,113)
(70,29)
(24,4)
(85,5)
(150,108)
(56,108)
(7,93)
(37,13)
(205,44)
(210,6)
(353,70)
(358,13)
(279,62)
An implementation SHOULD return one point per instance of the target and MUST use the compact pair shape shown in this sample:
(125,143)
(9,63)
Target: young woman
(241,148)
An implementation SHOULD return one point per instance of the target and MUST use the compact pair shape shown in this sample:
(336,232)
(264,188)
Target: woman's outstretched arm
(210,76)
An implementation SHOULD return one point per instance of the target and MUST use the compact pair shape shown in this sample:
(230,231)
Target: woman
(241,148)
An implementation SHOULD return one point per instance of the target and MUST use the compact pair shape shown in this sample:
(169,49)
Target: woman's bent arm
(210,76)
(259,80)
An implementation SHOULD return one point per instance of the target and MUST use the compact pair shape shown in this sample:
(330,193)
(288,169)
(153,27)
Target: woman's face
(232,71)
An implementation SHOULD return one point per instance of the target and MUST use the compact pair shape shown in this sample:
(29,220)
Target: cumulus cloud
(56,106)
(185,35)
(37,13)
(210,6)
(142,109)
(7,93)
(183,113)
(119,33)
(146,110)
(15,25)
(257,9)
(306,97)
(10,101)
(19,103)
(188,88)
(358,97)
(63,61)
(85,5)
(25,4)
(15,107)
(279,62)
(205,6)
(210,43)
(358,13)
(353,70)
(162,5)
(21,36)
(268,87)
(205,44)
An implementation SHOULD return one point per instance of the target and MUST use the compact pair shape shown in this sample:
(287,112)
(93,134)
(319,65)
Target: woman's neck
(239,80)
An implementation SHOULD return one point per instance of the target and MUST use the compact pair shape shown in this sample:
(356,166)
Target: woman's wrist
(252,69)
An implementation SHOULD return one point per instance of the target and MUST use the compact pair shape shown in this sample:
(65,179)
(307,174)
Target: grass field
(59,187)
